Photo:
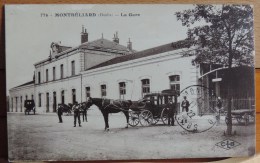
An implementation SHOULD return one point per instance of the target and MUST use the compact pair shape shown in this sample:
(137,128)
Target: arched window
(62,97)
(87,92)
(61,71)
(103,90)
(145,86)
(72,68)
(73,96)
(122,90)
(174,82)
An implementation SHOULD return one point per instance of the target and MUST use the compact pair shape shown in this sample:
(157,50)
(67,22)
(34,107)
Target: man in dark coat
(60,113)
(185,104)
(171,111)
(76,110)
(84,111)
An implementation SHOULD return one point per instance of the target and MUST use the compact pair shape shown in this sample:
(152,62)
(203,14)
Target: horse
(107,106)
(65,108)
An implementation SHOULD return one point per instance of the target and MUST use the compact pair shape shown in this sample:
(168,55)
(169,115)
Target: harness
(111,103)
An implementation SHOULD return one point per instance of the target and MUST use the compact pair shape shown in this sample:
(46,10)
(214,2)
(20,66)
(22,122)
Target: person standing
(60,113)
(76,110)
(84,111)
(185,108)
(171,111)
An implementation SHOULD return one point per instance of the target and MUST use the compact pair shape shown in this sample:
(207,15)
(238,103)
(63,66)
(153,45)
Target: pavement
(41,137)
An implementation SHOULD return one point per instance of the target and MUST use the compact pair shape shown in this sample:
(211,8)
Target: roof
(105,45)
(25,84)
(145,53)
(96,45)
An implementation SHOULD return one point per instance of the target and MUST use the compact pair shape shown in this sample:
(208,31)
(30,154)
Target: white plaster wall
(157,71)
(18,92)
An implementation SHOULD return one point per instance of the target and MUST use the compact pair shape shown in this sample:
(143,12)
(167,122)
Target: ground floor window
(73,96)
(103,90)
(122,90)
(40,100)
(16,103)
(87,92)
(54,102)
(175,82)
(32,97)
(12,104)
(62,97)
(47,102)
(145,86)
(21,100)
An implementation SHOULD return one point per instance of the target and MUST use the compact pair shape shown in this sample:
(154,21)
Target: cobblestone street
(41,136)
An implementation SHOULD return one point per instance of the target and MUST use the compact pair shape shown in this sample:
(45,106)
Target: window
(87,92)
(32,97)
(103,90)
(40,100)
(47,102)
(62,97)
(12,105)
(61,71)
(39,77)
(54,73)
(16,103)
(145,86)
(21,104)
(47,75)
(122,90)
(175,82)
(54,102)
(72,68)
(73,96)
(26,97)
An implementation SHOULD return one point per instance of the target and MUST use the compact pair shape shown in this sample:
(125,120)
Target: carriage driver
(76,110)
(171,112)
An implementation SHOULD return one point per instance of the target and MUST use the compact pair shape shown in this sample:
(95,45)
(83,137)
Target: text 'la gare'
(129,14)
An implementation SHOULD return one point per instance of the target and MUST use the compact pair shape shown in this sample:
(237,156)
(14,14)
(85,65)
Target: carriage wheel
(164,116)
(133,119)
(146,118)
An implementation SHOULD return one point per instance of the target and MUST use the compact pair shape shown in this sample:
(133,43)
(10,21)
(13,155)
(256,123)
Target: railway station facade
(105,69)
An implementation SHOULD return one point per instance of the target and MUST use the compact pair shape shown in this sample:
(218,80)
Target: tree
(224,36)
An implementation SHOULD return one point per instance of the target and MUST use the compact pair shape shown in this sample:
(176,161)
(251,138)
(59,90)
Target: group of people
(77,109)
(172,111)
(185,104)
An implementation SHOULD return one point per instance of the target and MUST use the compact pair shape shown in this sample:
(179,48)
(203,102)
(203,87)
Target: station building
(105,69)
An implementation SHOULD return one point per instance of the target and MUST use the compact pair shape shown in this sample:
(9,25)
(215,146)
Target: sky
(30,32)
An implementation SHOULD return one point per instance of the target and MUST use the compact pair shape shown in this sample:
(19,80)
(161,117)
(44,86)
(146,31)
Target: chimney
(129,45)
(116,39)
(84,35)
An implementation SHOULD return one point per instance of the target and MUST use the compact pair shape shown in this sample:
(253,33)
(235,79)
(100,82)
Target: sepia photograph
(129,82)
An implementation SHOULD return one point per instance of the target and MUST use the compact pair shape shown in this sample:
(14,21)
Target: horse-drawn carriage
(29,106)
(243,116)
(154,107)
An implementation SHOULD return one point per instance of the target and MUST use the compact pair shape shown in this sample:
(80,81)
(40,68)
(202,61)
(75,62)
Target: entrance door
(54,102)
(47,102)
